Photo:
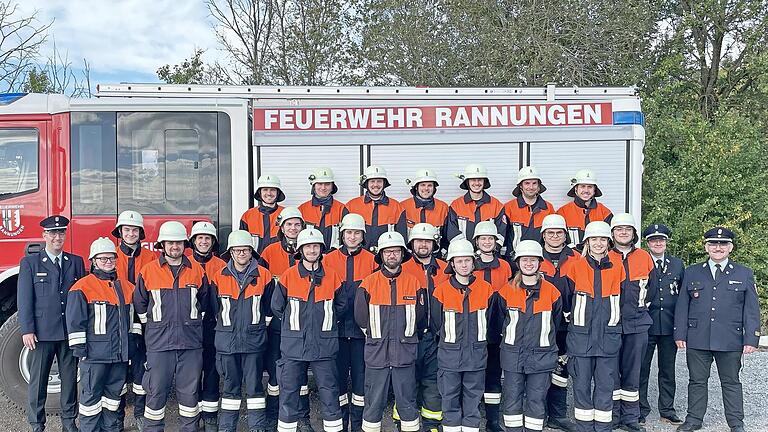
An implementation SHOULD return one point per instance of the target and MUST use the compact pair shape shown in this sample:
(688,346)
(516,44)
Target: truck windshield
(18,161)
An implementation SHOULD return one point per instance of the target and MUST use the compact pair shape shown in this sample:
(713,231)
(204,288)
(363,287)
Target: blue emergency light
(9,98)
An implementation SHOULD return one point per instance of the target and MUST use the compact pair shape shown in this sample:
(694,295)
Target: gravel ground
(754,378)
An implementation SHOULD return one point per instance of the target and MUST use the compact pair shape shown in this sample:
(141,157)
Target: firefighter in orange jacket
(390,309)
(279,257)
(422,206)
(494,270)
(635,320)
(100,320)
(204,241)
(308,301)
(527,210)
(353,263)
(584,208)
(528,310)
(170,297)
(323,212)
(260,220)
(474,206)
(131,257)
(240,296)
(381,213)
(594,332)
(423,241)
(558,259)
(460,313)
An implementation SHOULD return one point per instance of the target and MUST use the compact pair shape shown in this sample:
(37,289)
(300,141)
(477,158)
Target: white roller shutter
(402,161)
(557,162)
(293,164)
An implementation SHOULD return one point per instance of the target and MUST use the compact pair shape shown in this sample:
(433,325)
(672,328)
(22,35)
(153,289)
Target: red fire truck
(193,153)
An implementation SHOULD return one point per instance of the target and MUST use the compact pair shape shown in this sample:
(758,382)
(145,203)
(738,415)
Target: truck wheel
(14,369)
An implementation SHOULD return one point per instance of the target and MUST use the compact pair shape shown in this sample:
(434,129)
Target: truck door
(24,198)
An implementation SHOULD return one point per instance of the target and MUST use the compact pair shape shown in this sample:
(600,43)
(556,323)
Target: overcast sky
(126,40)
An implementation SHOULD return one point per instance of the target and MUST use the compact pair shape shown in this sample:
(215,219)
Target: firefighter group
(456,309)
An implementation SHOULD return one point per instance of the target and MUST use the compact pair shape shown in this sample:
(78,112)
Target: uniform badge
(757,333)
(695,294)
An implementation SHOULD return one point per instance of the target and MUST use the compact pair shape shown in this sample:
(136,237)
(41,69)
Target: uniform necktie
(718,271)
(658,264)
(58,268)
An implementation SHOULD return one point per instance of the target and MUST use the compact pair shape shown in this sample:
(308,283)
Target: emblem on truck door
(11,219)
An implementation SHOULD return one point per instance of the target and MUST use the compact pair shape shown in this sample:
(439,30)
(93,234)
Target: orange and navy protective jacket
(211,263)
(460,317)
(130,261)
(390,308)
(555,267)
(308,303)
(464,213)
(578,215)
(240,304)
(325,216)
(382,215)
(278,258)
(528,318)
(432,211)
(352,268)
(638,265)
(524,221)
(429,276)
(100,318)
(170,302)
(261,222)
(496,272)
(595,321)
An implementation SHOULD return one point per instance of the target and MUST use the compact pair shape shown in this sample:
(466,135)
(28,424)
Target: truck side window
(167,163)
(94,177)
(18,161)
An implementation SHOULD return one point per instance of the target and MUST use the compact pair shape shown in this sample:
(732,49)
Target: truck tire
(14,369)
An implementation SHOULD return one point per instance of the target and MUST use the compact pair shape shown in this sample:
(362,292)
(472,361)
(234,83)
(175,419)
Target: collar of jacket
(537,206)
(461,287)
(383,200)
(345,250)
(485,199)
(101,274)
(287,247)
(128,251)
(200,258)
(184,261)
(267,210)
(482,265)
(604,263)
(317,202)
(389,274)
(432,266)
(251,270)
(534,290)
(428,204)
(565,253)
(580,202)
(303,272)
(632,249)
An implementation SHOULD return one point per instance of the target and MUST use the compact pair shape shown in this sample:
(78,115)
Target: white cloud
(132,36)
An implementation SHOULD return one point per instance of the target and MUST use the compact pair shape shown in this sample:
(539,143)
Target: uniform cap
(272,181)
(585,176)
(129,218)
(527,173)
(657,230)
(102,245)
(55,222)
(474,171)
(719,235)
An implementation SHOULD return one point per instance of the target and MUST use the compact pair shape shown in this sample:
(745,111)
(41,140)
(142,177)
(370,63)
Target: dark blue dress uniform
(663,289)
(41,301)
(390,308)
(308,304)
(170,302)
(717,316)
(240,304)
(594,339)
(460,316)
(635,322)
(100,319)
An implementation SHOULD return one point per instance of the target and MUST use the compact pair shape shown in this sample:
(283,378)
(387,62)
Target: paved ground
(754,377)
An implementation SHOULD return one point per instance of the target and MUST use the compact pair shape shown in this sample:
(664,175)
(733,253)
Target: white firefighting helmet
(597,229)
(553,221)
(323,175)
(391,239)
(288,213)
(529,248)
(422,175)
(239,238)
(625,219)
(309,236)
(374,172)
(171,231)
(203,228)
(585,176)
(424,231)
(271,181)
(129,218)
(459,247)
(487,228)
(102,245)
(352,221)
(527,173)
(474,171)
